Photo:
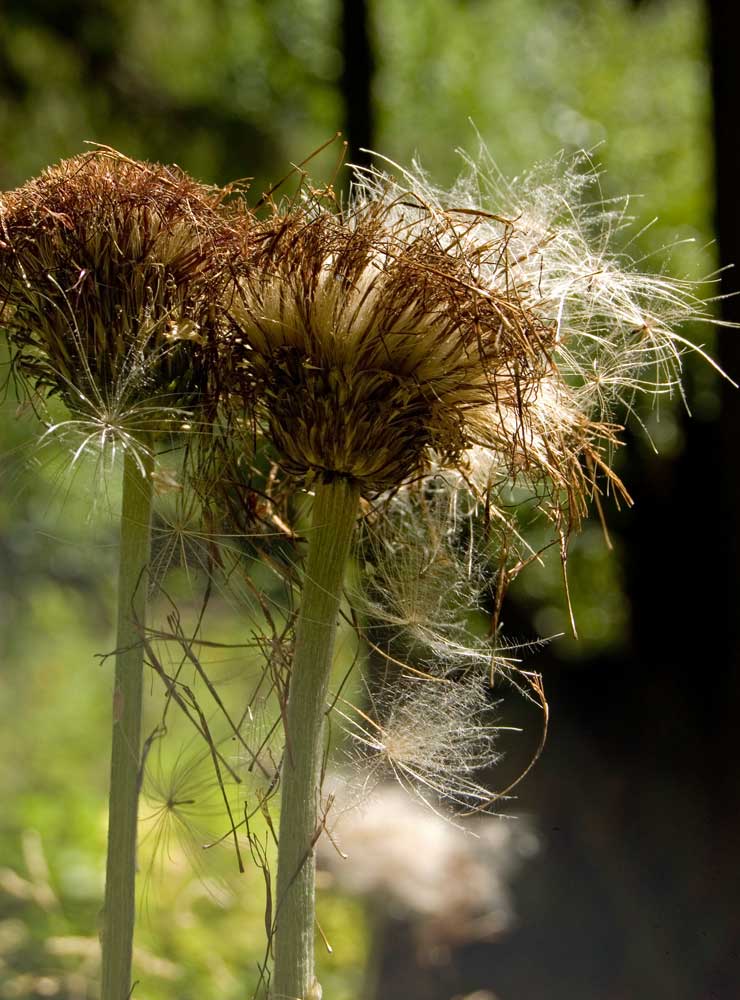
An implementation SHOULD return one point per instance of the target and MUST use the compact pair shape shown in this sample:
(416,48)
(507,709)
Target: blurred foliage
(538,76)
(233,88)
(224,88)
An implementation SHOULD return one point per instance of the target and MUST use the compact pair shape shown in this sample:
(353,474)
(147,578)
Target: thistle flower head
(370,343)
(108,276)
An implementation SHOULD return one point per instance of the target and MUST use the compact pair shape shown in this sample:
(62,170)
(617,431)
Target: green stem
(333,519)
(119,907)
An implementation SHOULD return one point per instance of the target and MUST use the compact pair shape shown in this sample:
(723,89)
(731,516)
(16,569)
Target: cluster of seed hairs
(434,736)
(110,272)
(426,603)
(423,570)
(179,801)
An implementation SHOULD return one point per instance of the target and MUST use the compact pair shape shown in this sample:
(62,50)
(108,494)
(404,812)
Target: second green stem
(335,510)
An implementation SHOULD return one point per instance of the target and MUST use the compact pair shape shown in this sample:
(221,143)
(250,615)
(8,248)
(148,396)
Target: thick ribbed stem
(333,519)
(117,930)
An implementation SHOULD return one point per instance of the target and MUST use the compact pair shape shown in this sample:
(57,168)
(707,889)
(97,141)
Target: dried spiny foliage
(369,344)
(110,270)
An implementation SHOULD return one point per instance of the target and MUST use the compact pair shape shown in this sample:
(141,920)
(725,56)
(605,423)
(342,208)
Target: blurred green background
(628,897)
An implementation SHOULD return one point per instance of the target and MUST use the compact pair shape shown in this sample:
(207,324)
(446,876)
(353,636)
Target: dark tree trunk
(724,525)
(357,79)
(724,30)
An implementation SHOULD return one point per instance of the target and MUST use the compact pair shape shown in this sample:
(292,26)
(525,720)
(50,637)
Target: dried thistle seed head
(109,274)
(618,332)
(370,345)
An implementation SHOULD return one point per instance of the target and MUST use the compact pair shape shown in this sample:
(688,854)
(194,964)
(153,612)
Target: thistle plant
(427,366)
(478,340)
(109,271)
